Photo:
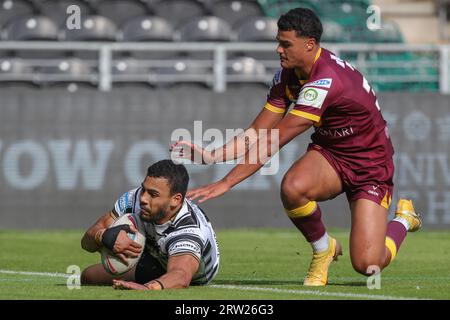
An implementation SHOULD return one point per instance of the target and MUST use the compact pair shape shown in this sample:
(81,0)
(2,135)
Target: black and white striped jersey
(190,232)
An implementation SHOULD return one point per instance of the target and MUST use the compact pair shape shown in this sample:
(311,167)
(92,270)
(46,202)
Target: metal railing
(382,63)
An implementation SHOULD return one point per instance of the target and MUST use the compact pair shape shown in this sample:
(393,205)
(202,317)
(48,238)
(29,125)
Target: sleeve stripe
(136,193)
(272,108)
(306,115)
(114,214)
(183,253)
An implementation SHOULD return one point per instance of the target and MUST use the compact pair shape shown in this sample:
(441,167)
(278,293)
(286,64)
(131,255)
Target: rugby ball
(113,264)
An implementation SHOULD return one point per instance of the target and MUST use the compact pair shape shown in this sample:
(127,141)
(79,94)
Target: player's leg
(373,244)
(97,275)
(367,237)
(406,220)
(311,179)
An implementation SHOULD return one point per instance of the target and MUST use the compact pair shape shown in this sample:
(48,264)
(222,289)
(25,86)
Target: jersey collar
(175,217)
(317,55)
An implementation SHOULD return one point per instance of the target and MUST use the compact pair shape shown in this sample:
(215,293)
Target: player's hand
(128,285)
(125,247)
(209,191)
(183,149)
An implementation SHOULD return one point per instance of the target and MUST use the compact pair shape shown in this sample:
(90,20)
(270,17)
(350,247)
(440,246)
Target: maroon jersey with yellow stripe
(344,108)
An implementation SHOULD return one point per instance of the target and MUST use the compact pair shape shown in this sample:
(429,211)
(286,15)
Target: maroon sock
(311,226)
(397,232)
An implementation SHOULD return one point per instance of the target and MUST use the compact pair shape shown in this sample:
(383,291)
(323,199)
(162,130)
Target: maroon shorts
(371,183)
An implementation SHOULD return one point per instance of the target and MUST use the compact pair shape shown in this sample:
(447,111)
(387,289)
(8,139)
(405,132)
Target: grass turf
(255,264)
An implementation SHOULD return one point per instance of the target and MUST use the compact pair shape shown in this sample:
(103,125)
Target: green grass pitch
(255,264)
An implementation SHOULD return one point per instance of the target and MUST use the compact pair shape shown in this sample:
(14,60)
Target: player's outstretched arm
(288,128)
(180,270)
(235,148)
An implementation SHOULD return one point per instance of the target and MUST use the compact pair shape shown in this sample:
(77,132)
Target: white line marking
(245,288)
(331,279)
(29,273)
(316,293)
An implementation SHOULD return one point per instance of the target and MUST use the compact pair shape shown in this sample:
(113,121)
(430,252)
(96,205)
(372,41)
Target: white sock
(321,244)
(403,221)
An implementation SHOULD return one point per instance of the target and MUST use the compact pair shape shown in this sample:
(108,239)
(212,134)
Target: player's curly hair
(304,21)
(176,175)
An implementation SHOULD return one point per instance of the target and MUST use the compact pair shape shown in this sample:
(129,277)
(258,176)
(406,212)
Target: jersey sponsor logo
(312,97)
(276,80)
(123,203)
(323,83)
(277,77)
(340,132)
(185,246)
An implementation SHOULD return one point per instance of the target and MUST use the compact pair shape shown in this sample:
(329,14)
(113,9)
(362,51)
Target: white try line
(315,293)
(30,273)
(245,288)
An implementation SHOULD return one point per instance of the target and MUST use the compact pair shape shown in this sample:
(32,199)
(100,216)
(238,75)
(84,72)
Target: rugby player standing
(351,151)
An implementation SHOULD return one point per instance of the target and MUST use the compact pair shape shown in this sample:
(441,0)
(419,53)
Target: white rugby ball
(113,264)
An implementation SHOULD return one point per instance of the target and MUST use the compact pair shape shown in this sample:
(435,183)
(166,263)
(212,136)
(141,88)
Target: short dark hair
(304,21)
(176,175)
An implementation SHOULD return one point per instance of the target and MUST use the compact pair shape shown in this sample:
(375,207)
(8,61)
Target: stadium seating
(207,28)
(129,71)
(398,71)
(94,28)
(16,70)
(246,69)
(333,32)
(125,21)
(156,55)
(235,12)
(10,9)
(388,33)
(178,12)
(147,28)
(257,29)
(67,70)
(342,16)
(129,66)
(184,71)
(275,8)
(121,11)
(348,14)
(31,28)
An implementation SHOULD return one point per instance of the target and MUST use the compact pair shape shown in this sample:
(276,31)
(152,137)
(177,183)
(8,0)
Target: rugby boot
(318,269)
(405,210)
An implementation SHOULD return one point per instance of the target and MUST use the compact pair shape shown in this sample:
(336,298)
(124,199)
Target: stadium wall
(66,157)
